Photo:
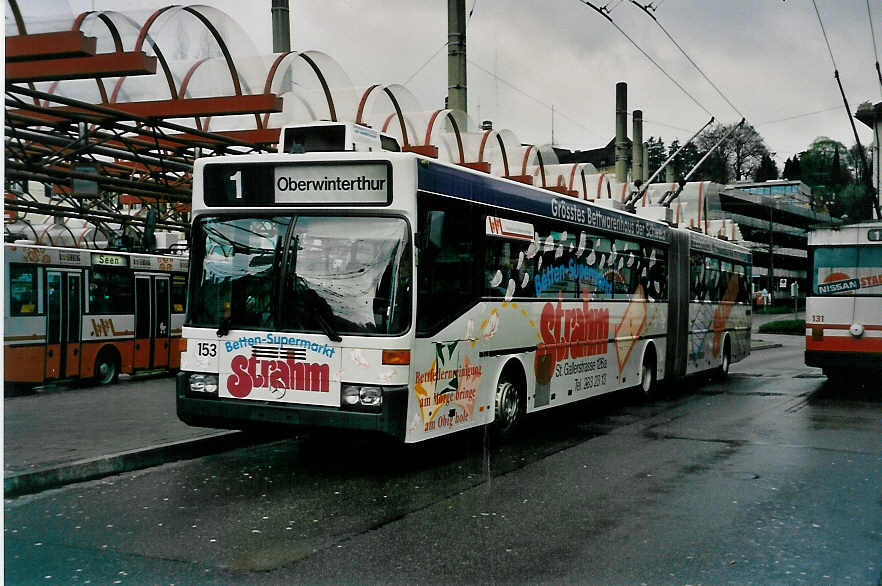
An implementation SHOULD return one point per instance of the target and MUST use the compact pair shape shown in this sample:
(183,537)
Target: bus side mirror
(431,237)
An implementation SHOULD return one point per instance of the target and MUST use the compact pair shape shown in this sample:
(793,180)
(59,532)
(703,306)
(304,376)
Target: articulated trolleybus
(74,313)
(844,308)
(387,291)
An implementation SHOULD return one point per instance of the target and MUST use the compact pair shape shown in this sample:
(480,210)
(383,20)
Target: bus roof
(864,233)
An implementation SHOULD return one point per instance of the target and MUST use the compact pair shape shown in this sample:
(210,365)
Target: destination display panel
(367,183)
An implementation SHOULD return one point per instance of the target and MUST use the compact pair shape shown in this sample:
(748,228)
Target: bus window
(712,279)
(110,292)
(22,290)
(237,256)
(657,279)
(598,260)
(743,292)
(727,275)
(626,262)
(696,277)
(446,280)
(555,263)
(506,265)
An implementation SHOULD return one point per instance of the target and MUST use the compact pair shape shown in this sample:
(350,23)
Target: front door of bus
(64,316)
(143,322)
(152,321)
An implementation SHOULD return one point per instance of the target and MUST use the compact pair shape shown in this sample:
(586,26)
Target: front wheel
(510,407)
(106,369)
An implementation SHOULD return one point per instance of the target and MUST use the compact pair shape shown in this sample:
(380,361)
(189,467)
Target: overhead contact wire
(648,56)
(685,54)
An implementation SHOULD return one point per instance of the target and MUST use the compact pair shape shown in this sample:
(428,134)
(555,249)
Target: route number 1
(237,179)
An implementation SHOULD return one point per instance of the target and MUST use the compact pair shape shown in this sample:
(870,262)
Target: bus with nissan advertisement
(844,307)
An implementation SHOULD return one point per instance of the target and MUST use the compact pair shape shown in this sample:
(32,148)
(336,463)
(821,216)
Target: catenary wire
(685,54)
(648,56)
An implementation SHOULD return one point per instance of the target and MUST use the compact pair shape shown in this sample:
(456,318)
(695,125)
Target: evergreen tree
(655,148)
(766,170)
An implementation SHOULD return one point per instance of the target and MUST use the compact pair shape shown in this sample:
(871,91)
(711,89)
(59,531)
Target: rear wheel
(723,372)
(648,379)
(510,405)
(106,368)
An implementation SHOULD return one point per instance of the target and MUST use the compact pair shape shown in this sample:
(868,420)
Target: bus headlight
(203,383)
(359,396)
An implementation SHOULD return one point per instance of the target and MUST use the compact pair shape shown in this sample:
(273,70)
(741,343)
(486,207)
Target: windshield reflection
(336,275)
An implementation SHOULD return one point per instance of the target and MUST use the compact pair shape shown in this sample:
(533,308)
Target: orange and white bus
(89,314)
(390,292)
(844,307)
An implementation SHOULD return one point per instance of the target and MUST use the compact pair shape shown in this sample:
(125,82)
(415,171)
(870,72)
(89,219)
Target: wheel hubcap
(104,371)
(508,404)
(647,379)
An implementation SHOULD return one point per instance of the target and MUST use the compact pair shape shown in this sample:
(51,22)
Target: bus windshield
(851,270)
(329,274)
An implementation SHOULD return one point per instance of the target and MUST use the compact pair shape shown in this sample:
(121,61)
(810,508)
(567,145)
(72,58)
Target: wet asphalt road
(770,477)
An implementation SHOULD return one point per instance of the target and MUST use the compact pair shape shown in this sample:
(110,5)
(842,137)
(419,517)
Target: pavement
(60,435)
(64,434)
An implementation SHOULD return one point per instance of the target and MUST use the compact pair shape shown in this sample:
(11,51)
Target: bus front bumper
(843,360)
(222,413)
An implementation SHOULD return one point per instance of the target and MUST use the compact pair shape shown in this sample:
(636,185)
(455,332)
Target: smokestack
(456,55)
(621,132)
(637,147)
(281,26)
(645,162)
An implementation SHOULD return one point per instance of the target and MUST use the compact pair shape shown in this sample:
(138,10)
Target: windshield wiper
(224,327)
(327,328)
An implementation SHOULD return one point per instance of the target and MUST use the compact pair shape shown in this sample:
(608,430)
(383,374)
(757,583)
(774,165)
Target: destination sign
(108,260)
(306,184)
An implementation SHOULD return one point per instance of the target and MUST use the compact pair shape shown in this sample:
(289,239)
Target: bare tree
(743,150)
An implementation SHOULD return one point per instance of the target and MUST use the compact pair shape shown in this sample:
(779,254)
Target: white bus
(73,313)
(844,307)
(391,292)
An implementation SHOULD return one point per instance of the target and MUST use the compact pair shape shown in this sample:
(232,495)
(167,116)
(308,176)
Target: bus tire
(106,367)
(648,374)
(510,402)
(726,361)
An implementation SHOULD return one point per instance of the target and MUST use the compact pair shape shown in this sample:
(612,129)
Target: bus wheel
(106,368)
(510,408)
(723,371)
(648,381)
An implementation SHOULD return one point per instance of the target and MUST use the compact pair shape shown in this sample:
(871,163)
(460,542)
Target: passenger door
(64,314)
(143,322)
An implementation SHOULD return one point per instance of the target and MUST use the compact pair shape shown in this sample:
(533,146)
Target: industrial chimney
(637,146)
(621,132)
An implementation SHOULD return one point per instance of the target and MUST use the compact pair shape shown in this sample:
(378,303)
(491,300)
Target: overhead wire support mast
(604,14)
(645,8)
(638,193)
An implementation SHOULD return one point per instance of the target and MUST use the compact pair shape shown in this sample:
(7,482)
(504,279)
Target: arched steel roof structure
(128,102)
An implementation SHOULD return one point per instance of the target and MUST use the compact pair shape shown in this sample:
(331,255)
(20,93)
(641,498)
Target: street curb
(765,346)
(94,468)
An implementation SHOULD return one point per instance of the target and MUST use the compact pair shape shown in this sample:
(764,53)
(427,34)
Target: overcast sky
(767,56)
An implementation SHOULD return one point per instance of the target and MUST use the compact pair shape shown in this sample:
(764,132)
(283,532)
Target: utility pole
(457,98)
